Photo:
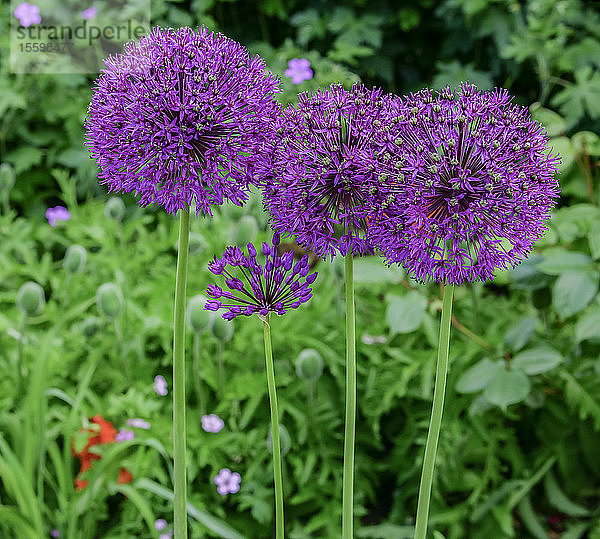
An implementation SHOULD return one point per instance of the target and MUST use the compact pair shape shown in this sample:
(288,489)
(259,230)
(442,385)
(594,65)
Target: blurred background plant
(518,453)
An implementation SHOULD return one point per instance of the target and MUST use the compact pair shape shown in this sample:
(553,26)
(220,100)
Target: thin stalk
(277,475)
(197,380)
(179,437)
(436,416)
(20,381)
(350,427)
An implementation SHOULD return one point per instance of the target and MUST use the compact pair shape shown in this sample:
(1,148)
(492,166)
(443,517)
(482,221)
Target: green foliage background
(519,446)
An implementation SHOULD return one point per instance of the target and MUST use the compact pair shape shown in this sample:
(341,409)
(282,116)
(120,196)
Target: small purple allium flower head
(138,423)
(28,14)
(57,213)
(212,423)
(160,385)
(124,435)
(89,13)
(160,524)
(277,286)
(299,70)
(314,185)
(227,482)
(178,118)
(472,181)
(55,533)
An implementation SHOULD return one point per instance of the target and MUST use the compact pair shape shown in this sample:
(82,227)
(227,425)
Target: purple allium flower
(160,524)
(314,185)
(139,423)
(277,286)
(160,385)
(227,482)
(178,117)
(28,14)
(89,13)
(55,533)
(212,423)
(473,183)
(299,70)
(57,213)
(124,435)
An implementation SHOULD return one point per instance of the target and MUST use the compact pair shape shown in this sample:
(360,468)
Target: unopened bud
(284,440)
(109,300)
(309,364)
(31,299)
(198,318)
(74,260)
(114,209)
(222,329)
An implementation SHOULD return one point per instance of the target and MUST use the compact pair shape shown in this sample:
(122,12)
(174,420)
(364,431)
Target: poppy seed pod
(31,299)
(114,209)
(309,364)
(284,440)
(245,231)
(222,329)
(74,260)
(198,318)
(90,326)
(109,300)
(7,177)
(197,243)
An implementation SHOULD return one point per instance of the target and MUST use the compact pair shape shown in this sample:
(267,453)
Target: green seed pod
(90,326)
(222,329)
(232,211)
(245,231)
(284,440)
(109,300)
(31,299)
(197,317)
(74,260)
(7,177)
(197,243)
(309,364)
(114,209)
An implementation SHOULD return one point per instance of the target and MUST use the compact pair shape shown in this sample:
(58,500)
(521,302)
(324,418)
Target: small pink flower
(138,423)
(227,482)
(89,13)
(28,14)
(58,213)
(124,435)
(160,524)
(299,70)
(160,385)
(212,423)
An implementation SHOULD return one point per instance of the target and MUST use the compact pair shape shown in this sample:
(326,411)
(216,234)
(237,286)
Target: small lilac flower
(124,435)
(138,423)
(277,286)
(160,524)
(472,184)
(299,70)
(28,14)
(178,118)
(212,423)
(315,187)
(55,533)
(160,385)
(89,13)
(57,213)
(227,482)
(167,535)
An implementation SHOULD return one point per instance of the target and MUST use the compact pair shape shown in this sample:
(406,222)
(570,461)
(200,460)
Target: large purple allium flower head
(277,286)
(178,117)
(315,188)
(473,183)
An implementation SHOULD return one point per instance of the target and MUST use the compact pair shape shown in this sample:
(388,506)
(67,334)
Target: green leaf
(527,277)
(558,260)
(372,270)
(530,519)
(537,360)
(554,123)
(579,398)
(594,240)
(507,387)
(573,291)
(405,313)
(559,500)
(586,142)
(519,334)
(588,327)
(478,376)
(580,98)
(24,158)
(453,73)
(565,149)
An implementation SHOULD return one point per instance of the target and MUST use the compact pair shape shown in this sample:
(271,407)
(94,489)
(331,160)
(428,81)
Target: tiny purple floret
(227,482)
(160,524)
(55,533)
(299,70)
(138,423)
(160,385)
(57,213)
(124,435)
(89,13)
(28,14)
(212,423)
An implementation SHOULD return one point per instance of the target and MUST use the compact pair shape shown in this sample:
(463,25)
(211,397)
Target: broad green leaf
(373,270)
(594,240)
(507,387)
(477,377)
(588,327)
(580,98)
(453,73)
(573,291)
(586,141)
(537,360)
(519,334)
(558,260)
(405,313)
(526,275)
(554,123)
(565,149)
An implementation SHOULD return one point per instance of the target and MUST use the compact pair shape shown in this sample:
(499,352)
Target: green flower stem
(179,437)
(277,475)
(436,416)
(350,428)
(198,382)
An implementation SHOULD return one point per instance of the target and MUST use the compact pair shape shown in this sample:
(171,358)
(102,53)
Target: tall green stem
(179,437)
(277,476)
(436,416)
(350,428)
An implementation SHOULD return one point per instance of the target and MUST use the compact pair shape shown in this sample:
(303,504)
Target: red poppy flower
(125,476)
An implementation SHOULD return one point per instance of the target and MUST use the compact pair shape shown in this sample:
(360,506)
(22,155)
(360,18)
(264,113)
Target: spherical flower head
(473,184)
(275,287)
(212,423)
(227,482)
(178,117)
(314,185)
(299,70)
